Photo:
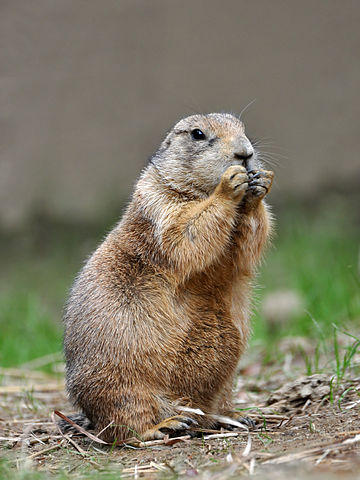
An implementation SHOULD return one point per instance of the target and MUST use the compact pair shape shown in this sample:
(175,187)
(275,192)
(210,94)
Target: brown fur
(159,315)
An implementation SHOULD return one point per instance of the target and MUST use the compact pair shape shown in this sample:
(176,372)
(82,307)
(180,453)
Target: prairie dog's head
(198,150)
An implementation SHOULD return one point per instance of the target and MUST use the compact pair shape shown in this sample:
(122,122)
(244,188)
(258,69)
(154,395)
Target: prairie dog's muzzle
(244,151)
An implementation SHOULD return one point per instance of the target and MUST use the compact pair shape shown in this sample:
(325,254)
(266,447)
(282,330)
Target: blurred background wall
(88,89)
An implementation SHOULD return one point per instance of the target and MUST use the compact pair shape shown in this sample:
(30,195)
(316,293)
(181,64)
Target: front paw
(233,183)
(260,183)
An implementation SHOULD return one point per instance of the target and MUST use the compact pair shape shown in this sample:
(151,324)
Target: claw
(255,175)
(188,420)
(248,422)
(182,423)
(179,426)
(170,426)
(192,421)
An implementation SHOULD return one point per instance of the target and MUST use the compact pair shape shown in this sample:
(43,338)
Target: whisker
(246,107)
(274,159)
(266,142)
(273,154)
(271,163)
(267,145)
(269,160)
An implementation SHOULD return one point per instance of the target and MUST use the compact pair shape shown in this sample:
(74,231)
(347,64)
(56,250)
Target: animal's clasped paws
(233,183)
(260,183)
(170,426)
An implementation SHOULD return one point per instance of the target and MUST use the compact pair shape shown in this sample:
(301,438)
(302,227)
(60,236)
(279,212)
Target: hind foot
(170,426)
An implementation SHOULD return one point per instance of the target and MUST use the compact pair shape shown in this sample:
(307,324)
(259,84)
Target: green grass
(38,267)
(27,328)
(314,253)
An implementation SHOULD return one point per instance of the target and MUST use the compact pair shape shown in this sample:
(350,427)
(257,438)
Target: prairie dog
(159,315)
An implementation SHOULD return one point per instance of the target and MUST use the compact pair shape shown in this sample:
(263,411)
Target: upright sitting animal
(159,315)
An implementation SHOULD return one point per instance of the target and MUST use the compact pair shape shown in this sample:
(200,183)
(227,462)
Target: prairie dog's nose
(243,150)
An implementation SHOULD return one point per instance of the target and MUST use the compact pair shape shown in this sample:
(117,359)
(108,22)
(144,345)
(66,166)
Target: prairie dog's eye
(197,134)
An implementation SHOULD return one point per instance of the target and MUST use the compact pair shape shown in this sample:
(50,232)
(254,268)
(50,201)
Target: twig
(10,439)
(313,451)
(75,445)
(78,428)
(41,361)
(319,405)
(151,443)
(147,468)
(351,432)
(355,439)
(21,373)
(247,449)
(46,450)
(268,416)
(46,387)
(105,428)
(81,450)
(26,421)
(252,466)
(323,456)
(286,422)
(221,435)
(42,440)
(306,404)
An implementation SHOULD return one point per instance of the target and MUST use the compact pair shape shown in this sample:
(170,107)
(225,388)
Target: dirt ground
(306,426)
